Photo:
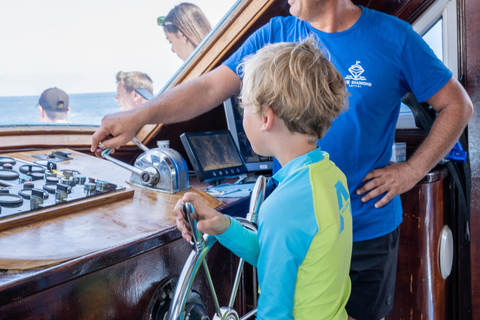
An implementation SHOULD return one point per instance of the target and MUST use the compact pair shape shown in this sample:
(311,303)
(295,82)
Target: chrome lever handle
(197,236)
(256,200)
(140,145)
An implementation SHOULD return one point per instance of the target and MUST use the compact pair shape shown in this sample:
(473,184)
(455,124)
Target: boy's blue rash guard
(381,59)
(304,242)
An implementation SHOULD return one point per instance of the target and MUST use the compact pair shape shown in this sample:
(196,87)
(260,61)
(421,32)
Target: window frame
(440,9)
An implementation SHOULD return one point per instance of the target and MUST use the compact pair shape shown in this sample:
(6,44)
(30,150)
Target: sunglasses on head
(161,21)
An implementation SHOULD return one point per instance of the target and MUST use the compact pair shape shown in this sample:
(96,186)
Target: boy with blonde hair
(291,94)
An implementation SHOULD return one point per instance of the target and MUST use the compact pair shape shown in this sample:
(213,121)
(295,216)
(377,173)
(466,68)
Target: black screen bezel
(216,174)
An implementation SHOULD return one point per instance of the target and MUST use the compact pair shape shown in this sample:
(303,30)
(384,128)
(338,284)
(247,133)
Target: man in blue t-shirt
(381,59)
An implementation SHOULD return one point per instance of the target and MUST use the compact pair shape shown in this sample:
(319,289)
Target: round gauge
(27,193)
(52,180)
(8,174)
(4,160)
(36,175)
(7,199)
(31,168)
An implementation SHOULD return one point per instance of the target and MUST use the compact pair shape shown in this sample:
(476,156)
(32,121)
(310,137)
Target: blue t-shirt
(304,243)
(381,59)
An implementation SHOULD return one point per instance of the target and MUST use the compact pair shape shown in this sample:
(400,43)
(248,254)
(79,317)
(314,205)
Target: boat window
(80,47)
(438,27)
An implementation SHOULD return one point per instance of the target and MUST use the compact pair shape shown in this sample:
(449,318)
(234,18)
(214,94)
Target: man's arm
(180,103)
(454,109)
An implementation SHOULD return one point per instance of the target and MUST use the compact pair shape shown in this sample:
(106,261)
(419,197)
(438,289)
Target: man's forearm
(190,99)
(447,128)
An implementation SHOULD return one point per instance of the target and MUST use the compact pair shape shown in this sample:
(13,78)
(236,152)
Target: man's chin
(292,9)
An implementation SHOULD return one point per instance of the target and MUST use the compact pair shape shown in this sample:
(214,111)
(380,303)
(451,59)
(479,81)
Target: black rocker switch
(61,154)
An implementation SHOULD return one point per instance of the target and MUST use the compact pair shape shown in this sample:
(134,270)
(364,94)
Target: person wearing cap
(185,26)
(53,105)
(128,84)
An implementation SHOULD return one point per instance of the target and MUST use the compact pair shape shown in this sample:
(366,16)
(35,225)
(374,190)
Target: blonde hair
(190,20)
(299,83)
(134,80)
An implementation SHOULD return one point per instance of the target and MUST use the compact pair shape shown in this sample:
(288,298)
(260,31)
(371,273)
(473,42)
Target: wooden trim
(470,60)
(36,137)
(408,10)
(24,138)
(39,130)
(68,208)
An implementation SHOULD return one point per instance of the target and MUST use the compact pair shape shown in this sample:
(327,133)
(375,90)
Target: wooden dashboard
(100,261)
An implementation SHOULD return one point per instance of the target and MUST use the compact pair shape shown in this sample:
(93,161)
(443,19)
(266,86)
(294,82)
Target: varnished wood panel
(104,262)
(121,290)
(471,71)
(408,10)
(420,291)
(94,228)
(31,217)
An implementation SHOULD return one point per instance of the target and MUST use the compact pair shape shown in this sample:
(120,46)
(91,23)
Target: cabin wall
(408,10)
(470,63)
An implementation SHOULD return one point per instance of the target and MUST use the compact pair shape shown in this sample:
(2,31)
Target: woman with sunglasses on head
(185,27)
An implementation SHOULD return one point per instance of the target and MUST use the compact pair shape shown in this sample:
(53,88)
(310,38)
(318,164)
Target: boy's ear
(267,120)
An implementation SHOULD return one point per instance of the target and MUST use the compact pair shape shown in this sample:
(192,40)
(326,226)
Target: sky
(79,46)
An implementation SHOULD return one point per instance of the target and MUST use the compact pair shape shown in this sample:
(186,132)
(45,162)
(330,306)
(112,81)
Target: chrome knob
(61,193)
(101,185)
(150,176)
(81,179)
(24,178)
(28,185)
(36,199)
(51,180)
(89,186)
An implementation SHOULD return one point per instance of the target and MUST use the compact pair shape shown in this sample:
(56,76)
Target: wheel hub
(227,314)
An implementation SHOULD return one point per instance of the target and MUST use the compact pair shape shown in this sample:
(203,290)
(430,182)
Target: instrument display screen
(213,154)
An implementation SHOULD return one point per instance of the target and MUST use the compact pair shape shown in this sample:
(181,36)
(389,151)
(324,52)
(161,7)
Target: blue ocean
(86,109)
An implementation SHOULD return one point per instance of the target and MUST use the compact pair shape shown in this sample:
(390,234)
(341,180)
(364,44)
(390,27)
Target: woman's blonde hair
(189,20)
(298,82)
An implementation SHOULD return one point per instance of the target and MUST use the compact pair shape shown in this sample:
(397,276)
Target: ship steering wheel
(201,246)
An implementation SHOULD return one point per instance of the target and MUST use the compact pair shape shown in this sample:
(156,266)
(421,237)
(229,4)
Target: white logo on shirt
(355,78)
